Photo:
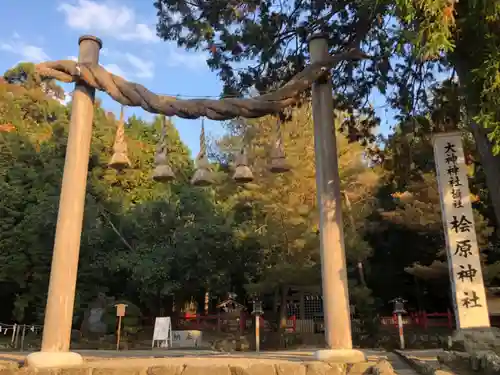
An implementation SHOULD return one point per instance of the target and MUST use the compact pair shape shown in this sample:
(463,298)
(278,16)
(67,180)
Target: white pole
(336,308)
(18,333)
(14,330)
(401,334)
(257,333)
(22,337)
(337,317)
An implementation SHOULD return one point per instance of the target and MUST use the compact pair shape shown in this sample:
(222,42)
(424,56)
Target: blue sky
(40,30)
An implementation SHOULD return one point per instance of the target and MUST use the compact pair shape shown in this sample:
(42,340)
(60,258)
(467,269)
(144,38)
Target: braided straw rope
(135,95)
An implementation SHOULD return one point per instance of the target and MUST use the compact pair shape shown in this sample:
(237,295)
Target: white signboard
(464,263)
(163,332)
(186,339)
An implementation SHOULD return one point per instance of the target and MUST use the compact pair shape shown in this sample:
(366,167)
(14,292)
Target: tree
(23,74)
(26,75)
(30,175)
(276,214)
(123,222)
(409,44)
(407,232)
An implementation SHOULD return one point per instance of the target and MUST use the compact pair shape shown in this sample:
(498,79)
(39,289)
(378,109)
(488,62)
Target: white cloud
(27,52)
(115,69)
(109,19)
(141,32)
(74,58)
(33,53)
(188,60)
(144,68)
(135,66)
(7,47)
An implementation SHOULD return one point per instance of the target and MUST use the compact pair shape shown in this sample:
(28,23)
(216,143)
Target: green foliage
(272,38)
(411,44)
(365,313)
(24,74)
(277,214)
(30,178)
(131,235)
(148,243)
(407,230)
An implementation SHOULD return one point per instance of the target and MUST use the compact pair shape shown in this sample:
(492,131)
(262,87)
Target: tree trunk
(277,293)
(361,272)
(282,316)
(418,292)
(490,164)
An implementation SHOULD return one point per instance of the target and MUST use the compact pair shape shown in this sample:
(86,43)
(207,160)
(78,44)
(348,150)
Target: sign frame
(464,263)
(121,309)
(162,333)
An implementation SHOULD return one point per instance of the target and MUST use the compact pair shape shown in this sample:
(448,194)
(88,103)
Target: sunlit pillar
(64,269)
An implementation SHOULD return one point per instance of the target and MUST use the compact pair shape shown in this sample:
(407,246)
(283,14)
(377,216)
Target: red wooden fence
(217,322)
(422,319)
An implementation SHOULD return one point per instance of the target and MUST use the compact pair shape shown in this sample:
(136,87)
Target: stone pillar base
(340,355)
(53,359)
(476,339)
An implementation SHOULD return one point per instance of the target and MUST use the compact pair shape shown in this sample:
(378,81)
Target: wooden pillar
(63,273)
(333,261)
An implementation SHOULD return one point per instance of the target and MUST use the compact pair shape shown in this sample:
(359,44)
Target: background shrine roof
(230,301)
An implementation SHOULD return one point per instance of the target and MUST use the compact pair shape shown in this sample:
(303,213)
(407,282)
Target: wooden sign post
(120,312)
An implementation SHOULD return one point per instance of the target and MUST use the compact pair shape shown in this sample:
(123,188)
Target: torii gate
(89,76)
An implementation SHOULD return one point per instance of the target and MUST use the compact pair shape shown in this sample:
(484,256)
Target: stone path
(159,357)
(428,356)
(400,366)
(427,361)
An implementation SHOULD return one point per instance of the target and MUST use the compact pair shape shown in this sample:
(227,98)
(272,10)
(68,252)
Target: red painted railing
(217,322)
(421,319)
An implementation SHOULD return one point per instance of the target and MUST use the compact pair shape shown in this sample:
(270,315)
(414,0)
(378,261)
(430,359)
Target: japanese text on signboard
(461,224)
(469,295)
